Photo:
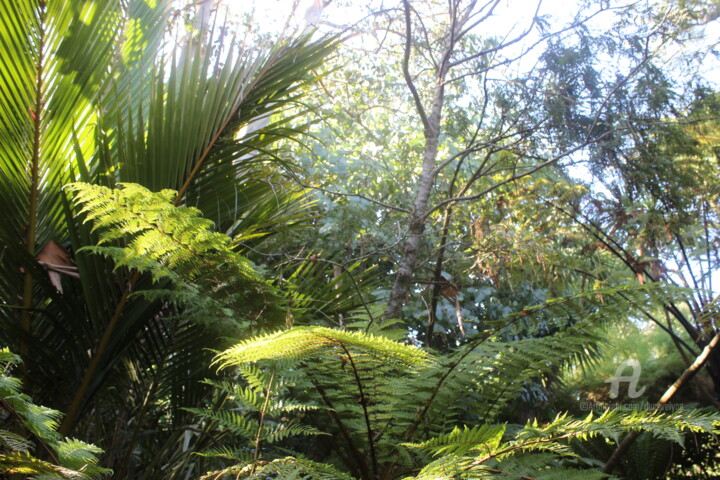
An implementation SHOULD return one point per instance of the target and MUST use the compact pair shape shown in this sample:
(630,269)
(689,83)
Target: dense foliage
(419,246)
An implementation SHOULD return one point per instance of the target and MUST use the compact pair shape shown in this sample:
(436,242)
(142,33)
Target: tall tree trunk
(431,127)
(418,216)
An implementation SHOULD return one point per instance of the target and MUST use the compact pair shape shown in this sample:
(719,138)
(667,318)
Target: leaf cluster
(29,442)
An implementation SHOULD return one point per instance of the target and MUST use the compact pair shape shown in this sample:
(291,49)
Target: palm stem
(80,393)
(34,181)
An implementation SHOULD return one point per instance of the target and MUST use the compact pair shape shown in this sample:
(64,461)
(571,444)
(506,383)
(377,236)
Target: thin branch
(616,249)
(358,195)
(514,177)
(406,69)
(492,5)
(498,47)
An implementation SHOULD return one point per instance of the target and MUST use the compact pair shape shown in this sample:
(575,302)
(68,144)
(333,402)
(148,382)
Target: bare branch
(358,195)
(498,47)
(518,176)
(406,68)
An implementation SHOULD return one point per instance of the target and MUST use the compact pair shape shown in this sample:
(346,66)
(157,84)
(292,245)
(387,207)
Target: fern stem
(51,454)
(354,452)
(520,446)
(363,402)
(268,393)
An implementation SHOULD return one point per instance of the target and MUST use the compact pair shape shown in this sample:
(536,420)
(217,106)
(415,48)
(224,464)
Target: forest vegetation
(440,240)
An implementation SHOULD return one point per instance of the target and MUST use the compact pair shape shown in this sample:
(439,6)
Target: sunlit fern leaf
(237,455)
(464,440)
(303,343)
(19,463)
(161,238)
(79,456)
(175,244)
(228,420)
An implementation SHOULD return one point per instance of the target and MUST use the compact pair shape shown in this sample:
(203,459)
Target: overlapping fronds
(171,243)
(461,441)
(381,394)
(98,92)
(478,372)
(321,288)
(35,430)
(478,450)
(256,412)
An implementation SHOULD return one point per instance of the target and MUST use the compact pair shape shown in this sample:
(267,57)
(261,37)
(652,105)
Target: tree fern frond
(176,244)
(234,454)
(157,232)
(462,441)
(227,419)
(80,456)
(288,468)
(15,442)
(303,343)
(551,440)
(279,431)
(69,458)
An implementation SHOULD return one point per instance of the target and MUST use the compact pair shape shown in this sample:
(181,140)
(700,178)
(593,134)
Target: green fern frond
(161,238)
(238,455)
(19,463)
(14,442)
(614,423)
(173,244)
(80,456)
(288,468)
(551,442)
(304,343)
(279,431)
(228,420)
(462,441)
(69,458)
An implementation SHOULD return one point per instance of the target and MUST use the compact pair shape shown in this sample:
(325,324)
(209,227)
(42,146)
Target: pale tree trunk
(431,126)
(418,216)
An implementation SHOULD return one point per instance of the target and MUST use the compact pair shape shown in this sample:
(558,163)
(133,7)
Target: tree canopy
(408,240)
